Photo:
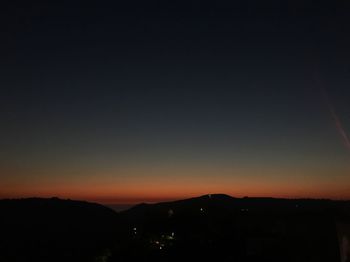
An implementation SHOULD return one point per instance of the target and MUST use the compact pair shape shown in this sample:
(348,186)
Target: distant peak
(217,196)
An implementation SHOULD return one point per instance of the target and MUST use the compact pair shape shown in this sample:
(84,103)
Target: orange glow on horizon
(132,185)
(140,194)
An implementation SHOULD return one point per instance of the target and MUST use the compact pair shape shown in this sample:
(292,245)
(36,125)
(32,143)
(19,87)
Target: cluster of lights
(161,244)
(244,209)
(171,236)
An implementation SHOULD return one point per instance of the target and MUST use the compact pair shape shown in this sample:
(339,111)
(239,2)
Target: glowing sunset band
(160,185)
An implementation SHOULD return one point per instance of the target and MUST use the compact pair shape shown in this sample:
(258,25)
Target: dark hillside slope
(220,227)
(38,229)
(213,227)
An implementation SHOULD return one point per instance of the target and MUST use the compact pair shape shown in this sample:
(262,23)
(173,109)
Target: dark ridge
(214,227)
(219,227)
(52,229)
(229,201)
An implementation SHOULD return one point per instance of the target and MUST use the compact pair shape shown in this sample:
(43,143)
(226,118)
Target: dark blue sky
(97,96)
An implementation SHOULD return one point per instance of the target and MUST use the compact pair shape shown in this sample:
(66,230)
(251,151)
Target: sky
(148,101)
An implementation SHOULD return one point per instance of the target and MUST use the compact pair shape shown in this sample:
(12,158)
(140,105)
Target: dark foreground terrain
(207,228)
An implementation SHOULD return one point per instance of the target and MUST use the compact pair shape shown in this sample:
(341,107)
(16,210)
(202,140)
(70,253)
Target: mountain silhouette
(213,227)
(221,227)
(38,229)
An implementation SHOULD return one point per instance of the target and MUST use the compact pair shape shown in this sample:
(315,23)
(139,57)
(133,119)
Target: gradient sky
(151,101)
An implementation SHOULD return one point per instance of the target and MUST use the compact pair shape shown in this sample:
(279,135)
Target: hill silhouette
(38,229)
(211,227)
(221,227)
